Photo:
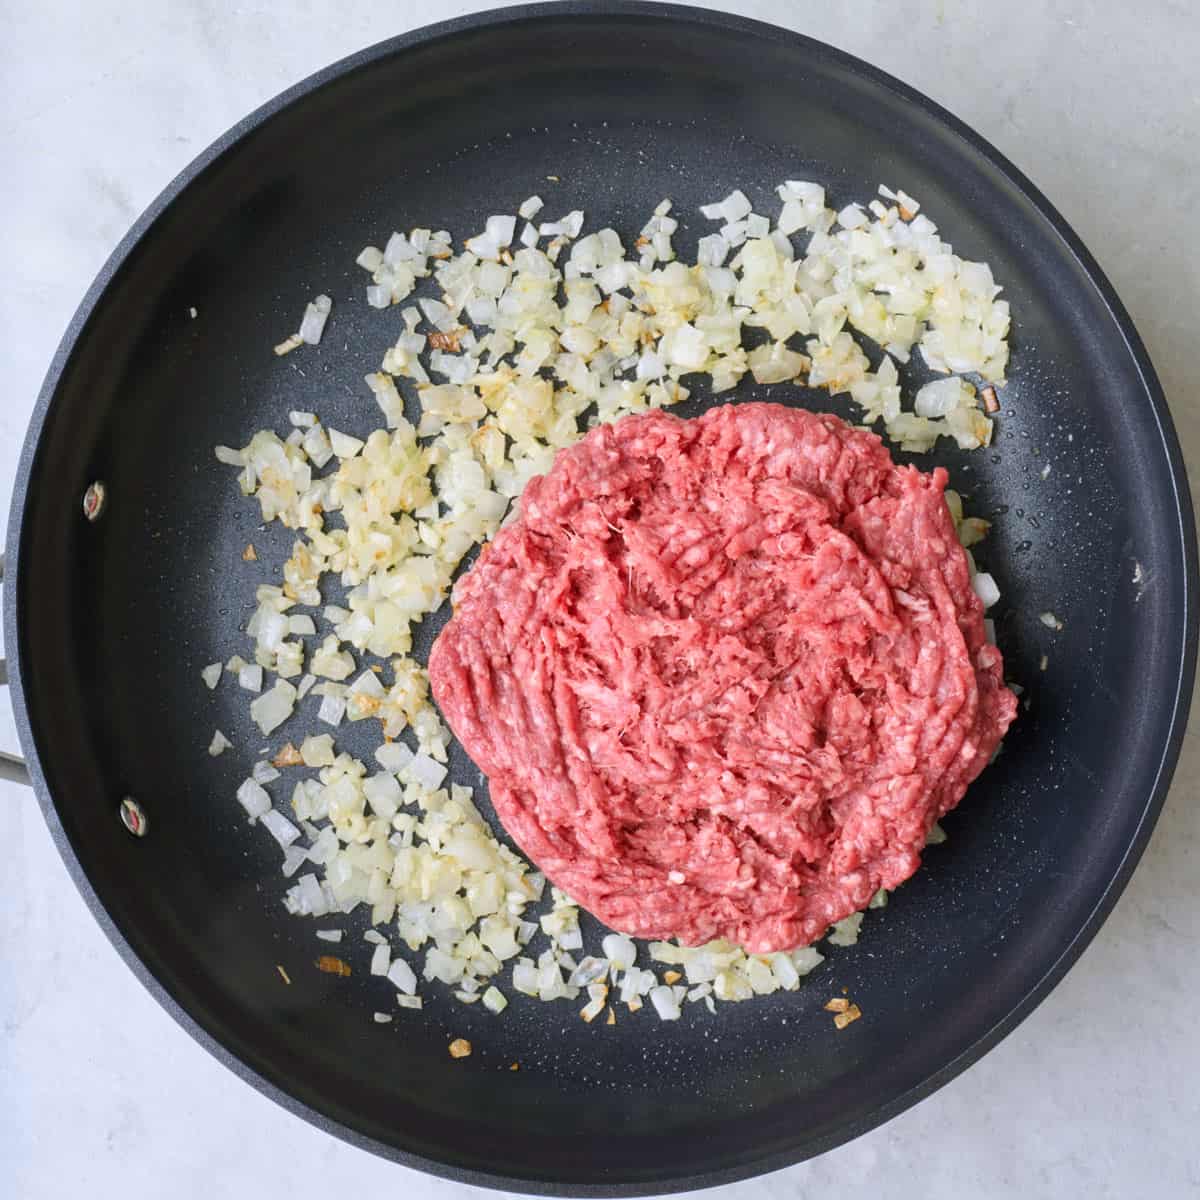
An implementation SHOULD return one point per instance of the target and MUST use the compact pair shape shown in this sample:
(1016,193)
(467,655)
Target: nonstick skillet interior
(111,622)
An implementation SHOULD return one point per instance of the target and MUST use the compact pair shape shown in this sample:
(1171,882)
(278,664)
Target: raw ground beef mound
(724,674)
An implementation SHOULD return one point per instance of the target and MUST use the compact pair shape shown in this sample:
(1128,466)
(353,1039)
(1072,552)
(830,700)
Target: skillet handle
(12,766)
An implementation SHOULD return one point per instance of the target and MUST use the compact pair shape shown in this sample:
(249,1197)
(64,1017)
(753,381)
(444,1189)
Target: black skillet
(109,622)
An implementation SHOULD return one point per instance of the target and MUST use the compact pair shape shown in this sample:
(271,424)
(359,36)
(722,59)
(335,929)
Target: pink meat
(724,674)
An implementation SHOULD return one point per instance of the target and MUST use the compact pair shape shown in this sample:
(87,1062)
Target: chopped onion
(281,829)
(501,229)
(525,977)
(393,756)
(311,896)
(807,959)
(317,751)
(332,709)
(264,772)
(592,1009)
(402,976)
(426,771)
(315,315)
(785,972)
(985,588)
(344,446)
(665,1003)
(845,931)
(619,950)
(272,708)
(588,972)
(383,794)
(520,340)
(254,799)
(251,678)
(294,857)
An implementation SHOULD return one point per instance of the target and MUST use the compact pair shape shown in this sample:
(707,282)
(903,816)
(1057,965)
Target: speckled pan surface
(109,624)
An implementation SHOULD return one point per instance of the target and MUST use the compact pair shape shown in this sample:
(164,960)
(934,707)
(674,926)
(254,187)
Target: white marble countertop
(1095,1095)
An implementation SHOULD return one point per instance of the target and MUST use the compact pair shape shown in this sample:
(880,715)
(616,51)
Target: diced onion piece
(501,229)
(942,396)
(254,799)
(588,972)
(985,588)
(281,829)
(852,217)
(264,772)
(344,446)
(665,1003)
(403,977)
(807,959)
(426,771)
(734,207)
(251,677)
(525,977)
(785,972)
(332,710)
(211,675)
(592,1009)
(393,756)
(272,708)
(317,751)
(845,931)
(315,315)
(383,794)
(619,950)
(390,401)
(370,258)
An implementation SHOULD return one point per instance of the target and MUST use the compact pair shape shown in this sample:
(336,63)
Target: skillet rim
(1178,704)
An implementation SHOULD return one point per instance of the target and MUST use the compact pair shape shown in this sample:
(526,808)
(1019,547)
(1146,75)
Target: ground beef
(724,674)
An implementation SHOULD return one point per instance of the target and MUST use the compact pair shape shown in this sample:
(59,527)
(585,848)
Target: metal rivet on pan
(93,500)
(133,817)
